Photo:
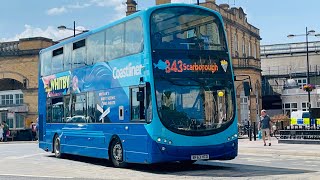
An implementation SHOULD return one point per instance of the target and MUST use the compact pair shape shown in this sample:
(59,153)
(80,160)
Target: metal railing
(289,48)
(246,62)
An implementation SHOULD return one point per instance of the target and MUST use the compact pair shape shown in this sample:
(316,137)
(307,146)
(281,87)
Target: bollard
(282,125)
(254,131)
(249,131)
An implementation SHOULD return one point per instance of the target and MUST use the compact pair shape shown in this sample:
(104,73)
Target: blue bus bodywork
(108,89)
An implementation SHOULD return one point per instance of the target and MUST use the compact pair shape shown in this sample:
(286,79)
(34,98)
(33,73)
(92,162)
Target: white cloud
(118,5)
(106,3)
(57,11)
(78,6)
(50,32)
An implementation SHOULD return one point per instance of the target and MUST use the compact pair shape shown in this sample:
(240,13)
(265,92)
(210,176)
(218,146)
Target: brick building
(19,81)
(244,43)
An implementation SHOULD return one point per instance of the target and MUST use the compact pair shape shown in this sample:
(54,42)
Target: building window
(244,108)
(243,47)
(289,107)
(301,81)
(19,121)
(235,44)
(11,99)
(254,51)
(7,99)
(305,105)
(4,117)
(19,98)
(249,49)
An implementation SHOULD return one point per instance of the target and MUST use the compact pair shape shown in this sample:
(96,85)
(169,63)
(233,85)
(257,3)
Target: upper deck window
(57,52)
(186,28)
(57,60)
(79,44)
(79,54)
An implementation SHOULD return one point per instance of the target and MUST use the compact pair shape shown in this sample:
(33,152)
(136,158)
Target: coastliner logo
(127,71)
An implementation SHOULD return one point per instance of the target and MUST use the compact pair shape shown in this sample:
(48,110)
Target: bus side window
(137,103)
(49,111)
(148,103)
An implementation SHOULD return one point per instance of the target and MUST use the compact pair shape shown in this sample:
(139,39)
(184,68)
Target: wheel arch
(53,139)
(113,138)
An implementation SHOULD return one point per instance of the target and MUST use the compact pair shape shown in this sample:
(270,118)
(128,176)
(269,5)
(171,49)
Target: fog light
(165,141)
(229,138)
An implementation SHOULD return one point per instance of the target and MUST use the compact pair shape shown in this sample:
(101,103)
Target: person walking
(265,126)
(5,130)
(1,132)
(33,128)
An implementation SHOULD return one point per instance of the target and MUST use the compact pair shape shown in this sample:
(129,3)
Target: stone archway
(10,84)
(10,80)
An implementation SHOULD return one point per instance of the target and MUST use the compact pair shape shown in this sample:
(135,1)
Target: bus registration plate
(198,157)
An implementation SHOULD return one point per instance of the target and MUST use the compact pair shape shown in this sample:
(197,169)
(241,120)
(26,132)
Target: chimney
(212,1)
(131,7)
(224,6)
(162,1)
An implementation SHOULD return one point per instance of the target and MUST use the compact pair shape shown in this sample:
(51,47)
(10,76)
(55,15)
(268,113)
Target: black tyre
(116,154)
(57,147)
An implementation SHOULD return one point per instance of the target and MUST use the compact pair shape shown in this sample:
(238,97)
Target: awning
(3,109)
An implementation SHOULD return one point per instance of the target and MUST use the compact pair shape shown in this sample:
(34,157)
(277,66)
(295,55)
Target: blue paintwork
(139,140)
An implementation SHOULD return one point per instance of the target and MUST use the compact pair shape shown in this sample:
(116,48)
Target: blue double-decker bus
(153,87)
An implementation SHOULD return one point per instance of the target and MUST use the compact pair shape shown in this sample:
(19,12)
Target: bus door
(137,140)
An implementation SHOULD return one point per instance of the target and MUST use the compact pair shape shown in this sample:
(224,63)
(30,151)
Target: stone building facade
(244,45)
(284,63)
(19,81)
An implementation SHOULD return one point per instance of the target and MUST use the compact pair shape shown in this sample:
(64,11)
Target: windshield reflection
(196,107)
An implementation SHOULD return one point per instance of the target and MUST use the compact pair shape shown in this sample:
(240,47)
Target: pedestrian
(1,132)
(5,130)
(33,128)
(265,126)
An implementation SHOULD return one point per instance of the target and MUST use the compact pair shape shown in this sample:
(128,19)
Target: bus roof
(134,15)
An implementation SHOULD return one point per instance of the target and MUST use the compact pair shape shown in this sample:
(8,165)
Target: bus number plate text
(198,157)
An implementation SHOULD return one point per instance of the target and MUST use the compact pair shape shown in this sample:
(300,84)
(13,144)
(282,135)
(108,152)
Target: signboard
(10,115)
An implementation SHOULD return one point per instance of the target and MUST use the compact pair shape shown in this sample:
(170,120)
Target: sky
(33,18)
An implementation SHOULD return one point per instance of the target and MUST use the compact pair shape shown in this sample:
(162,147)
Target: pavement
(24,160)
(256,147)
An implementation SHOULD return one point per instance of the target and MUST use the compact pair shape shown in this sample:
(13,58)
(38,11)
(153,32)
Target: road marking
(26,175)
(25,156)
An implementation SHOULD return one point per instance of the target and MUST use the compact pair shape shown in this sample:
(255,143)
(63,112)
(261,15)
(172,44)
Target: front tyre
(116,154)
(57,147)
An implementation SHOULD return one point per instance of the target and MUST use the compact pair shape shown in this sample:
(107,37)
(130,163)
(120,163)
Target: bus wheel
(116,153)
(57,147)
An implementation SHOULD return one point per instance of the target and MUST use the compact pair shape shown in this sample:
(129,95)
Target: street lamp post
(307,34)
(62,27)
